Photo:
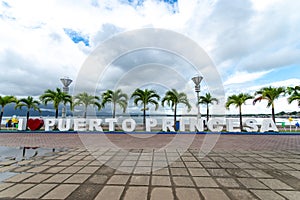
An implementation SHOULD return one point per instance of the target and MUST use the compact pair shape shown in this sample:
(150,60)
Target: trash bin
(177,125)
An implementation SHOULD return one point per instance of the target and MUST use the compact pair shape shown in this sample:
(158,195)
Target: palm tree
(207,99)
(145,97)
(85,100)
(3,102)
(238,101)
(56,97)
(270,94)
(116,98)
(294,93)
(173,98)
(30,103)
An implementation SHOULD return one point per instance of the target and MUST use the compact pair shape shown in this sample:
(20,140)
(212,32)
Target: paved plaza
(140,167)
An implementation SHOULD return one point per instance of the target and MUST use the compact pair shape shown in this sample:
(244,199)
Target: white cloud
(242,77)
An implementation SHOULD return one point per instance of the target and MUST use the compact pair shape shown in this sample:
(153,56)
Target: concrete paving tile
(293,165)
(61,192)
(77,178)
(179,171)
(97,179)
(37,169)
(241,194)
(160,171)
(15,190)
(24,162)
(93,163)
(57,178)
(183,181)
(227,165)
(205,182)
(124,170)
(209,193)
(71,170)
(81,163)
(37,191)
(252,183)
(37,178)
(244,165)
(8,162)
(228,182)
(66,163)
(280,166)
(88,170)
(19,177)
(128,163)
(142,170)
(294,173)
(37,162)
(110,192)
(290,195)
(189,159)
(7,168)
(176,164)
(5,185)
(136,193)
(275,184)
(160,181)
(257,173)
(161,193)
(238,173)
(210,165)
(193,165)
(187,193)
(54,170)
(139,180)
(144,163)
(218,172)
(267,195)
(52,162)
(22,169)
(198,172)
(159,164)
(118,179)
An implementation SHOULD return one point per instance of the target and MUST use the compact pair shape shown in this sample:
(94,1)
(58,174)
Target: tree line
(147,97)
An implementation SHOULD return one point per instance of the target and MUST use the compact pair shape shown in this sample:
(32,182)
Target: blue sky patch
(77,37)
(5,4)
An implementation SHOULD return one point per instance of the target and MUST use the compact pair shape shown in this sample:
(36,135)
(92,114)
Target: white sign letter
(95,124)
(150,122)
(251,125)
(214,125)
(168,124)
(80,124)
(231,124)
(64,124)
(132,125)
(111,125)
(268,125)
(49,123)
(196,124)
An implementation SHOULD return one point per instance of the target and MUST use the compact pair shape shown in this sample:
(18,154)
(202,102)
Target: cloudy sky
(252,43)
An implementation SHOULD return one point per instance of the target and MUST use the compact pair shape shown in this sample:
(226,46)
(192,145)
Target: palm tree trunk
(241,122)
(207,113)
(114,110)
(273,112)
(27,118)
(144,118)
(85,110)
(56,116)
(175,114)
(1,115)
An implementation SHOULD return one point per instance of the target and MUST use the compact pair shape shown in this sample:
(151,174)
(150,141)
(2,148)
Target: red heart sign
(35,124)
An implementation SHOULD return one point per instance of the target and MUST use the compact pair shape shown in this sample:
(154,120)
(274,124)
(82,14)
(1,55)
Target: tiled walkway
(229,171)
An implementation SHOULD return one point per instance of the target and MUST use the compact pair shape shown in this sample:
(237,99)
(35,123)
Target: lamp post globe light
(197,80)
(66,83)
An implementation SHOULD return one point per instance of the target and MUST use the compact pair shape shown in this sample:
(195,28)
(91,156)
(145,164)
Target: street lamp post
(66,83)
(197,80)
